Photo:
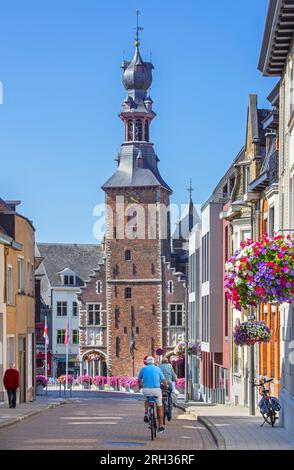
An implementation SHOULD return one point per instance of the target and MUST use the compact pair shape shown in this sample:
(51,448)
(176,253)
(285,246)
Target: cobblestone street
(106,422)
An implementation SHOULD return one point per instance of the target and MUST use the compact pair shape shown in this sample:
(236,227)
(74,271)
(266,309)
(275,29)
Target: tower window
(170,287)
(117,346)
(128,293)
(128,255)
(138,130)
(152,268)
(125,330)
(116,317)
(137,330)
(146,131)
(130,130)
(134,269)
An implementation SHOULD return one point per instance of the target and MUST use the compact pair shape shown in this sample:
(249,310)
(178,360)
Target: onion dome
(137,75)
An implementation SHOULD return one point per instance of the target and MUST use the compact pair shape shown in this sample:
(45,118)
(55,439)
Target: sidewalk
(9,416)
(233,429)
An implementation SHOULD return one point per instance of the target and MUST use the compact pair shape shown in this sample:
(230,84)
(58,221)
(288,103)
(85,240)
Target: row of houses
(17,297)
(255,196)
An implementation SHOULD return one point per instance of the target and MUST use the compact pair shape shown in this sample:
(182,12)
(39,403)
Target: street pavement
(102,420)
(234,429)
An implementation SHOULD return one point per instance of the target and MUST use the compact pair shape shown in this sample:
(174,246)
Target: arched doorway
(93,363)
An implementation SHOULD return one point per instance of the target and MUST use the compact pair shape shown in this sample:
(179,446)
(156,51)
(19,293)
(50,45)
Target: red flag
(66,339)
(46,332)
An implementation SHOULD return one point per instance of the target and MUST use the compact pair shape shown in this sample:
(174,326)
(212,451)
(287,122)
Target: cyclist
(151,377)
(170,377)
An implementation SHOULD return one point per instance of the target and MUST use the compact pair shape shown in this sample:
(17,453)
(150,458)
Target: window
(94,314)
(128,293)
(75,309)
(170,287)
(152,347)
(138,130)
(125,330)
(69,280)
(9,285)
(225,191)
(117,346)
(116,317)
(130,130)
(205,319)
(152,269)
(205,257)
(115,291)
(30,278)
(61,309)
(60,336)
(134,270)
(99,287)
(21,268)
(133,320)
(176,315)
(75,336)
(94,337)
(128,255)
(146,131)
(246,179)
(137,330)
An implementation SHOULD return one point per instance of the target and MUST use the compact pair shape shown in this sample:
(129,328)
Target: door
(22,368)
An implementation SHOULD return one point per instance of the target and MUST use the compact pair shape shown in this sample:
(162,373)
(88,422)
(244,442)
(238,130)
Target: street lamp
(251,378)
(132,349)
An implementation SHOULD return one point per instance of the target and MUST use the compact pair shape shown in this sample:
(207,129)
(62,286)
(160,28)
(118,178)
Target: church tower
(134,247)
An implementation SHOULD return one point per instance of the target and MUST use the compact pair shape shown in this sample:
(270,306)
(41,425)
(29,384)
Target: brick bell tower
(134,249)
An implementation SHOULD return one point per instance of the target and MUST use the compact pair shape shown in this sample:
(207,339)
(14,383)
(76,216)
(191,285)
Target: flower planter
(40,390)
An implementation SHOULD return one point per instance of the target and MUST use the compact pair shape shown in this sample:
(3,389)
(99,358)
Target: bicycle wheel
(272,417)
(151,419)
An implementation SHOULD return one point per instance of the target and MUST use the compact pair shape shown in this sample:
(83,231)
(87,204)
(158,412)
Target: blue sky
(60,69)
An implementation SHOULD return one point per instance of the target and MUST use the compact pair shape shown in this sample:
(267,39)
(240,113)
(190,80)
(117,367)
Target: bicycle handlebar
(260,384)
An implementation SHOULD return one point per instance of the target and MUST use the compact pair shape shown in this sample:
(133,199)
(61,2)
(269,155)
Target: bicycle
(152,423)
(165,397)
(268,406)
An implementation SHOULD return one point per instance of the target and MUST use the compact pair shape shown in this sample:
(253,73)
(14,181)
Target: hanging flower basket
(177,360)
(194,349)
(251,332)
(41,380)
(261,271)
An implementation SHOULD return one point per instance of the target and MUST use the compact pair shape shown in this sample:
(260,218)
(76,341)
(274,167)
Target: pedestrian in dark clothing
(11,383)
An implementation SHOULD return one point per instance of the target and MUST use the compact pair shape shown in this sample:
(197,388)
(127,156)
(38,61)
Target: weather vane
(138,28)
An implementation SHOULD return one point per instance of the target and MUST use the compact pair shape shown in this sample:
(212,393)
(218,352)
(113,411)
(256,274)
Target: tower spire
(190,190)
(138,28)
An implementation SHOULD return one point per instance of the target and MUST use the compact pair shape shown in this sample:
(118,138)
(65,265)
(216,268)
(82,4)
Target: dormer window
(68,277)
(68,280)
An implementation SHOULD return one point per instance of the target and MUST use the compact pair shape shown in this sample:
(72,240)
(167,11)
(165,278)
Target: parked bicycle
(152,422)
(269,406)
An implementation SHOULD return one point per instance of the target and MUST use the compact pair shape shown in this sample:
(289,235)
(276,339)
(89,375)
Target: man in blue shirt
(151,377)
